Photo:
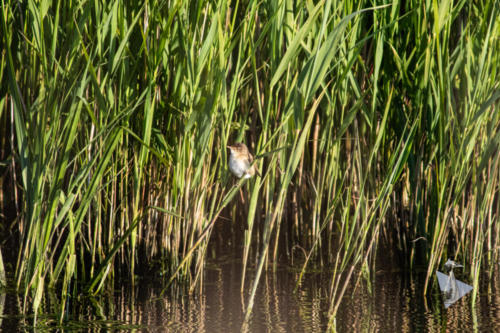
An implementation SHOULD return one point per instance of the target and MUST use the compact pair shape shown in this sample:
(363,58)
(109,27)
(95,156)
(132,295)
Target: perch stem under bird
(241,161)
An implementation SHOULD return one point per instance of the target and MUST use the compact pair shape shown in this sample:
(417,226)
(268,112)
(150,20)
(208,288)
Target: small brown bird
(240,161)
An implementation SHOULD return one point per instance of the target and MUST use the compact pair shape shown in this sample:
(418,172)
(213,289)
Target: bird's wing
(249,157)
(250,160)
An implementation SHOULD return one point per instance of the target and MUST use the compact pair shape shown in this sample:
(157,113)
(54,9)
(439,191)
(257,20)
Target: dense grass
(373,126)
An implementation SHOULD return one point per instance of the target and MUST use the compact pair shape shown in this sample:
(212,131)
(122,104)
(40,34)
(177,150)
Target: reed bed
(374,125)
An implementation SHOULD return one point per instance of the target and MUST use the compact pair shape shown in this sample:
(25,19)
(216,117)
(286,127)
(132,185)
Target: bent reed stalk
(376,126)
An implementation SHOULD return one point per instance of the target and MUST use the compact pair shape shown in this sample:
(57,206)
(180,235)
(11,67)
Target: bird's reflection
(451,288)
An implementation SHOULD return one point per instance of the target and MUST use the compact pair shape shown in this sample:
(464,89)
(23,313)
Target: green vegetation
(375,125)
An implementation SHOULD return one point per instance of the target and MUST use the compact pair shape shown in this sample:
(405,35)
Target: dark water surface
(395,304)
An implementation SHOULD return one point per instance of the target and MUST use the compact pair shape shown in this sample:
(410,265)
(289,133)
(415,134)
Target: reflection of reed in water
(391,303)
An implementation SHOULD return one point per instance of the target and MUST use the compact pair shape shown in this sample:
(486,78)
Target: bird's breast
(237,167)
